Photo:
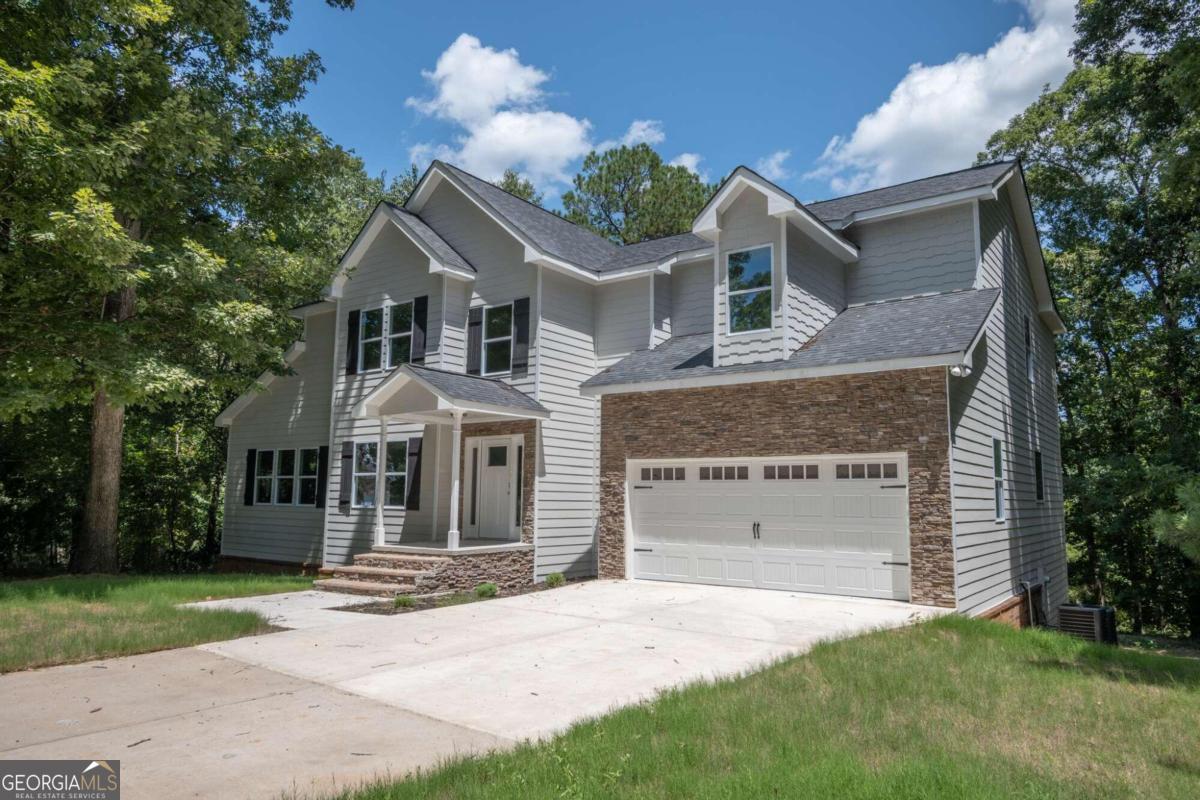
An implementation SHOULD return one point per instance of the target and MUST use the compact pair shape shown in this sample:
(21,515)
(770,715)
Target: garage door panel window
(795,472)
(885,470)
(664,473)
(725,473)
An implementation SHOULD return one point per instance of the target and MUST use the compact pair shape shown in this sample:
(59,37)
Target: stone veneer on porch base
(869,413)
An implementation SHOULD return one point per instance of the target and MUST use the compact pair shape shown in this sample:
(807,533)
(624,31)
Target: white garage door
(837,525)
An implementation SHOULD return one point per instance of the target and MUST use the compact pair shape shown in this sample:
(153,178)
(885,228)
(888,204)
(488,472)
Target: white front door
(491,512)
(830,524)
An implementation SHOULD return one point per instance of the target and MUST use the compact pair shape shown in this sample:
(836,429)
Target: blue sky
(908,89)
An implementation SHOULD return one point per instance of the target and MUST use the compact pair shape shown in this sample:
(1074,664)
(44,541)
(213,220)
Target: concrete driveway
(343,696)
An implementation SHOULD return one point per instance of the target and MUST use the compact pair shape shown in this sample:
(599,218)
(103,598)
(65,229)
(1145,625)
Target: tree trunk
(97,546)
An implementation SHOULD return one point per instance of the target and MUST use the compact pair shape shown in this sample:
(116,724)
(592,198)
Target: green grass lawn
(68,619)
(954,708)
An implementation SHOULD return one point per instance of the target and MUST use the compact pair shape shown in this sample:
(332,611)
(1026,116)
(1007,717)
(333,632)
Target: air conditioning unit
(1090,623)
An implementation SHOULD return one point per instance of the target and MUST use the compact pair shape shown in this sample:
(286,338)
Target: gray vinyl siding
(916,254)
(622,319)
(292,413)
(745,224)
(391,270)
(567,482)
(816,288)
(692,298)
(997,400)
(661,330)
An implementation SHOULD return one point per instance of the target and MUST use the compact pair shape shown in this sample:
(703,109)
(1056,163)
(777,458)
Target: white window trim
(381,490)
(998,498)
(484,340)
(391,335)
(355,475)
(382,338)
(770,246)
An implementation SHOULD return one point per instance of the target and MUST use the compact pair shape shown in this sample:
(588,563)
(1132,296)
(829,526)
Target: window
(884,470)
(998,479)
(497,339)
(366,461)
(664,473)
(1038,476)
(394,479)
(795,472)
(1029,365)
(739,473)
(285,477)
(309,464)
(264,472)
(749,289)
(370,340)
(400,324)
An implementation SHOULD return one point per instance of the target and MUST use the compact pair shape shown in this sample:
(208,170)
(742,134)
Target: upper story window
(497,339)
(370,340)
(400,328)
(748,274)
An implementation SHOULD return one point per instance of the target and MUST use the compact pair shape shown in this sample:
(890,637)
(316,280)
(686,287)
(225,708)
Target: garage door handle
(643,549)
(643,487)
(894,563)
(894,486)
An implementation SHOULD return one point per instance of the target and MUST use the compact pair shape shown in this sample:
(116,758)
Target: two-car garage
(829,524)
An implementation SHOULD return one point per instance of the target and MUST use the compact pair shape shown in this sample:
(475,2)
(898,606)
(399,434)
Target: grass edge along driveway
(953,708)
(68,619)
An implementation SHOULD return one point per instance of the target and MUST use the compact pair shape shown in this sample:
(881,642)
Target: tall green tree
(1100,154)
(513,183)
(628,195)
(162,201)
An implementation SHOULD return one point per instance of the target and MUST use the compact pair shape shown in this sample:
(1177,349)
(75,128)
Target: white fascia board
(312,309)
(369,405)
(438,268)
(362,241)
(766,376)
(225,418)
(968,355)
(1031,244)
(838,247)
(916,206)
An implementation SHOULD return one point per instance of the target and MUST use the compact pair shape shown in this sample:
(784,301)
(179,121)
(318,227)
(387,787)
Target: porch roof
(424,394)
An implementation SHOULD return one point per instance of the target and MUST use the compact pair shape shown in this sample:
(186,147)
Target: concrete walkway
(344,696)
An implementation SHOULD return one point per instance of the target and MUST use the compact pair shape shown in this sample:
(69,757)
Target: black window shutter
(322,474)
(248,489)
(520,351)
(412,500)
(420,320)
(474,340)
(346,477)
(352,342)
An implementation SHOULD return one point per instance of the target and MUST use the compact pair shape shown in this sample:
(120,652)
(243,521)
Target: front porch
(482,456)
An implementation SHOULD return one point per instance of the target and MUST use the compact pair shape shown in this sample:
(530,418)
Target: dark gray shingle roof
(550,232)
(475,389)
(920,326)
(445,253)
(654,250)
(837,209)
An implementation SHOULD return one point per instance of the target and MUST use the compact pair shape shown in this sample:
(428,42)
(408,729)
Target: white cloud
(499,106)
(939,117)
(772,167)
(690,162)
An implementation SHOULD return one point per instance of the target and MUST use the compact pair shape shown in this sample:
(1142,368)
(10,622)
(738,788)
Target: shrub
(405,601)
(486,590)
(555,579)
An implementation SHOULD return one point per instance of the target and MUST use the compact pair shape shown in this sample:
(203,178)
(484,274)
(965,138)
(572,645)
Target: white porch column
(452,535)
(380,489)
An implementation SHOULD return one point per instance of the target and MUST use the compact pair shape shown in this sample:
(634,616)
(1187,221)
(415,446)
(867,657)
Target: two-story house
(855,396)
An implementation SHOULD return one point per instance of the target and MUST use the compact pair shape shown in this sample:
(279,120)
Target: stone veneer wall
(868,413)
(508,569)
(527,427)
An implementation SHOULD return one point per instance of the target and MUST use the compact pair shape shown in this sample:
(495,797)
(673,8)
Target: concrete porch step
(369,588)
(380,574)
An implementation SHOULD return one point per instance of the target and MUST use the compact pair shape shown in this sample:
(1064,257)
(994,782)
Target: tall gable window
(370,340)
(400,328)
(748,274)
(1029,364)
(497,339)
